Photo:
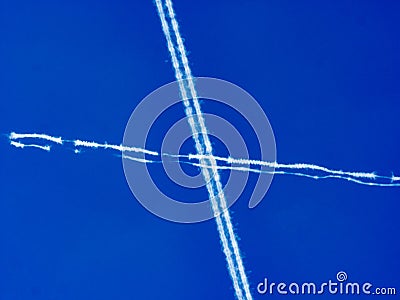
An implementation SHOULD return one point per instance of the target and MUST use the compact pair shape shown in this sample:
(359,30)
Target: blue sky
(326,74)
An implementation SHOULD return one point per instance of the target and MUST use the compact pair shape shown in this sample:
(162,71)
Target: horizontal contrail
(78,143)
(301,174)
(275,172)
(17,136)
(22,146)
(234,164)
(298,166)
(140,160)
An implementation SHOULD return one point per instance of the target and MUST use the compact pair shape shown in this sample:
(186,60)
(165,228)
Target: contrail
(140,160)
(15,136)
(303,166)
(207,161)
(301,174)
(245,165)
(121,148)
(203,146)
(78,143)
(22,146)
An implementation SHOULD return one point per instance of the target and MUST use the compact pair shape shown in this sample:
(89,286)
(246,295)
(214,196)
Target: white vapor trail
(77,143)
(22,146)
(234,164)
(296,166)
(15,136)
(120,148)
(203,146)
(301,174)
(205,160)
(141,160)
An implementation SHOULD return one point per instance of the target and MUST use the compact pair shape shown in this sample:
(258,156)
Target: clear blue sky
(325,72)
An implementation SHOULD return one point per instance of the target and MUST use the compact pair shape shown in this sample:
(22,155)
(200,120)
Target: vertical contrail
(208,150)
(203,147)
